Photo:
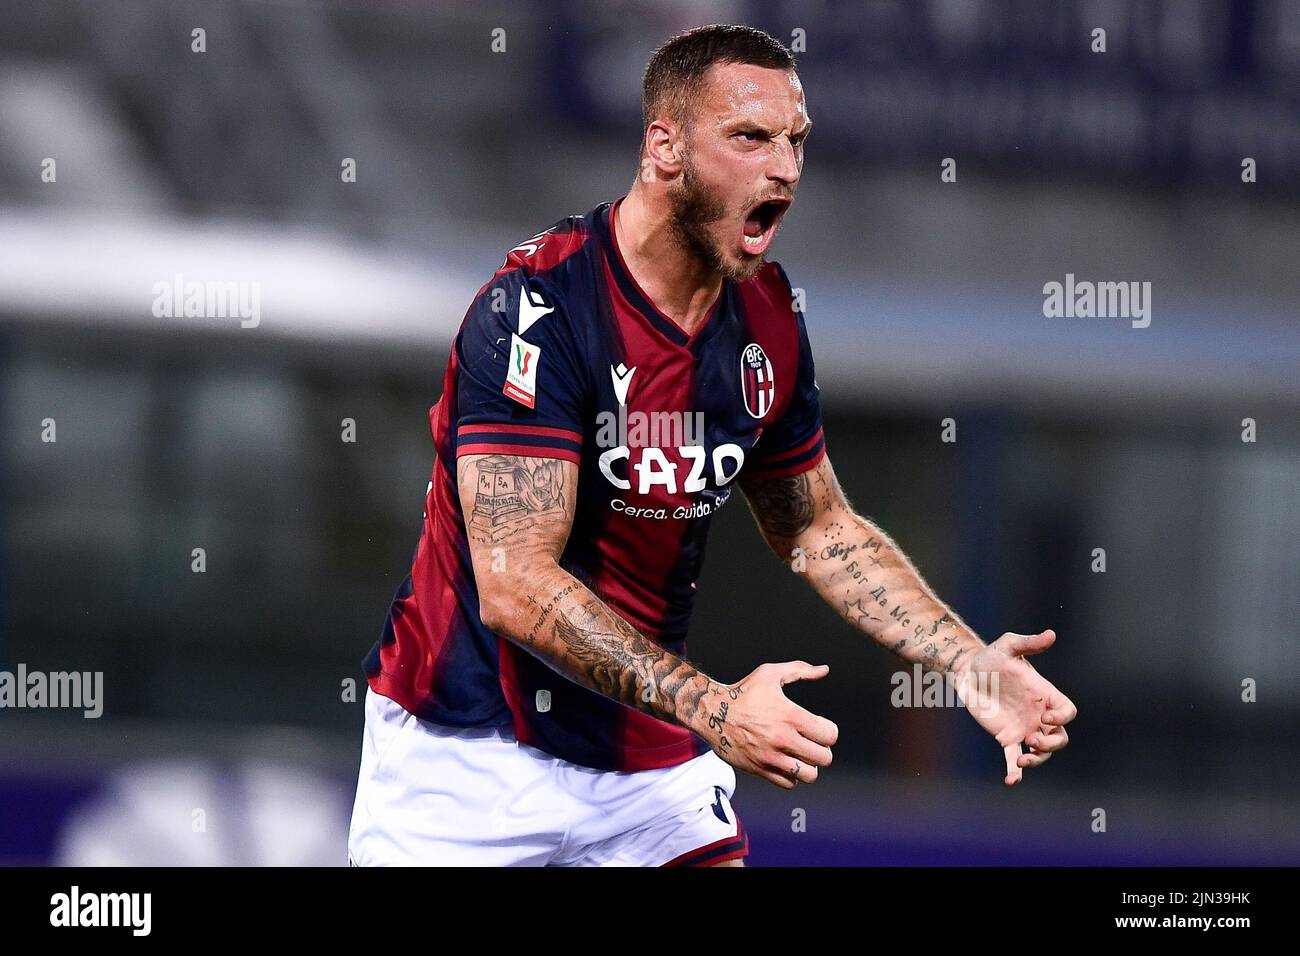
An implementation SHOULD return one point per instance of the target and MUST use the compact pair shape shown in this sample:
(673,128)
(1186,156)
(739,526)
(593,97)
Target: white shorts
(432,795)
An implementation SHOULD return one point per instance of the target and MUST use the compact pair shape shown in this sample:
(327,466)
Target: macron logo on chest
(622,378)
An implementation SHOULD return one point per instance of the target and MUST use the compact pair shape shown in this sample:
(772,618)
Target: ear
(664,148)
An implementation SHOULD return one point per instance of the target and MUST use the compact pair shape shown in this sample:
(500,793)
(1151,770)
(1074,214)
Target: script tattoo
(855,570)
(717,722)
(546,609)
(783,506)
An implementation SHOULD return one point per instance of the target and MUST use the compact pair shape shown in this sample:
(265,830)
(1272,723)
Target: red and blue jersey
(562,356)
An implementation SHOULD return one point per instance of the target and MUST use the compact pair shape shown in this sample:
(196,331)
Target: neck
(677,282)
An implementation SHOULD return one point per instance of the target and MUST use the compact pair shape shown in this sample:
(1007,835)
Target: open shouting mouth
(760,224)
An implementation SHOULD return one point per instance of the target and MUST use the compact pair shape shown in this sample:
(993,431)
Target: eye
(750,135)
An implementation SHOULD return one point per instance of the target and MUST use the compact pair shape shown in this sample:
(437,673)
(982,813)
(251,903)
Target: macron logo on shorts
(718,810)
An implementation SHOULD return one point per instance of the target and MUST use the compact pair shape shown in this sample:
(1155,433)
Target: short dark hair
(677,69)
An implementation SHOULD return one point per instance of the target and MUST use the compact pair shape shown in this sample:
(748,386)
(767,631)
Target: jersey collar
(635,295)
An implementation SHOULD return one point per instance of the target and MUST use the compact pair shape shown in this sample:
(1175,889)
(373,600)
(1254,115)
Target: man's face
(741,166)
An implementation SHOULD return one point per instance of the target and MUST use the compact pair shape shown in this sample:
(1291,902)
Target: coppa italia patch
(521,379)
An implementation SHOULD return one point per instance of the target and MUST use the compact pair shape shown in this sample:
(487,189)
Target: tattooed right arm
(518,515)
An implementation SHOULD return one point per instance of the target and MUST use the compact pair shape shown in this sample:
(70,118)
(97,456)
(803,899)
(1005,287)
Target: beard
(695,207)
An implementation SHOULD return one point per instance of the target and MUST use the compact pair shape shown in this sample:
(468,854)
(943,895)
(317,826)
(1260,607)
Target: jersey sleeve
(794,443)
(520,382)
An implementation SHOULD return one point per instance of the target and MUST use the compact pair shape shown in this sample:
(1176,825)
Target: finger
(1023,645)
(1025,761)
(802,670)
(803,773)
(769,774)
(785,783)
(1048,742)
(792,768)
(815,728)
(1061,711)
(777,771)
(806,752)
(1012,753)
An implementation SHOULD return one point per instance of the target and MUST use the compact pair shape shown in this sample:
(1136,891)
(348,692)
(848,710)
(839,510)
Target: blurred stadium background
(223,690)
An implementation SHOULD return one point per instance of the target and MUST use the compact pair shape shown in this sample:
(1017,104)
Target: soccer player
(530,700)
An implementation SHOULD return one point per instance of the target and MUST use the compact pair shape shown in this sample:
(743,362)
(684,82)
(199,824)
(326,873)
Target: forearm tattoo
(614,659)
(857,568)
(520,503)
(877,590)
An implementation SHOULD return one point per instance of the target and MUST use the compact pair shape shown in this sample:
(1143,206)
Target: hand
(754,727)
(1015,703)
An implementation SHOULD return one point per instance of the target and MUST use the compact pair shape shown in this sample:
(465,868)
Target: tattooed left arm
(858,569)
(863,574)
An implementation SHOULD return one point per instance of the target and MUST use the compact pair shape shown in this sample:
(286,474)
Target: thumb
(1022,645)
(792,671)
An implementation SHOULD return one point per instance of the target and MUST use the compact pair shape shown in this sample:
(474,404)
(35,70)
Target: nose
(785,166)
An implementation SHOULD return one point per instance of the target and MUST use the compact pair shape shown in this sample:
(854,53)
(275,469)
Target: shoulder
(536,292)
(544,269)
(548,248)
(548,253)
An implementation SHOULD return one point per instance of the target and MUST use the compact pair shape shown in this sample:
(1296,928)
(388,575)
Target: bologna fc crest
(756,380)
